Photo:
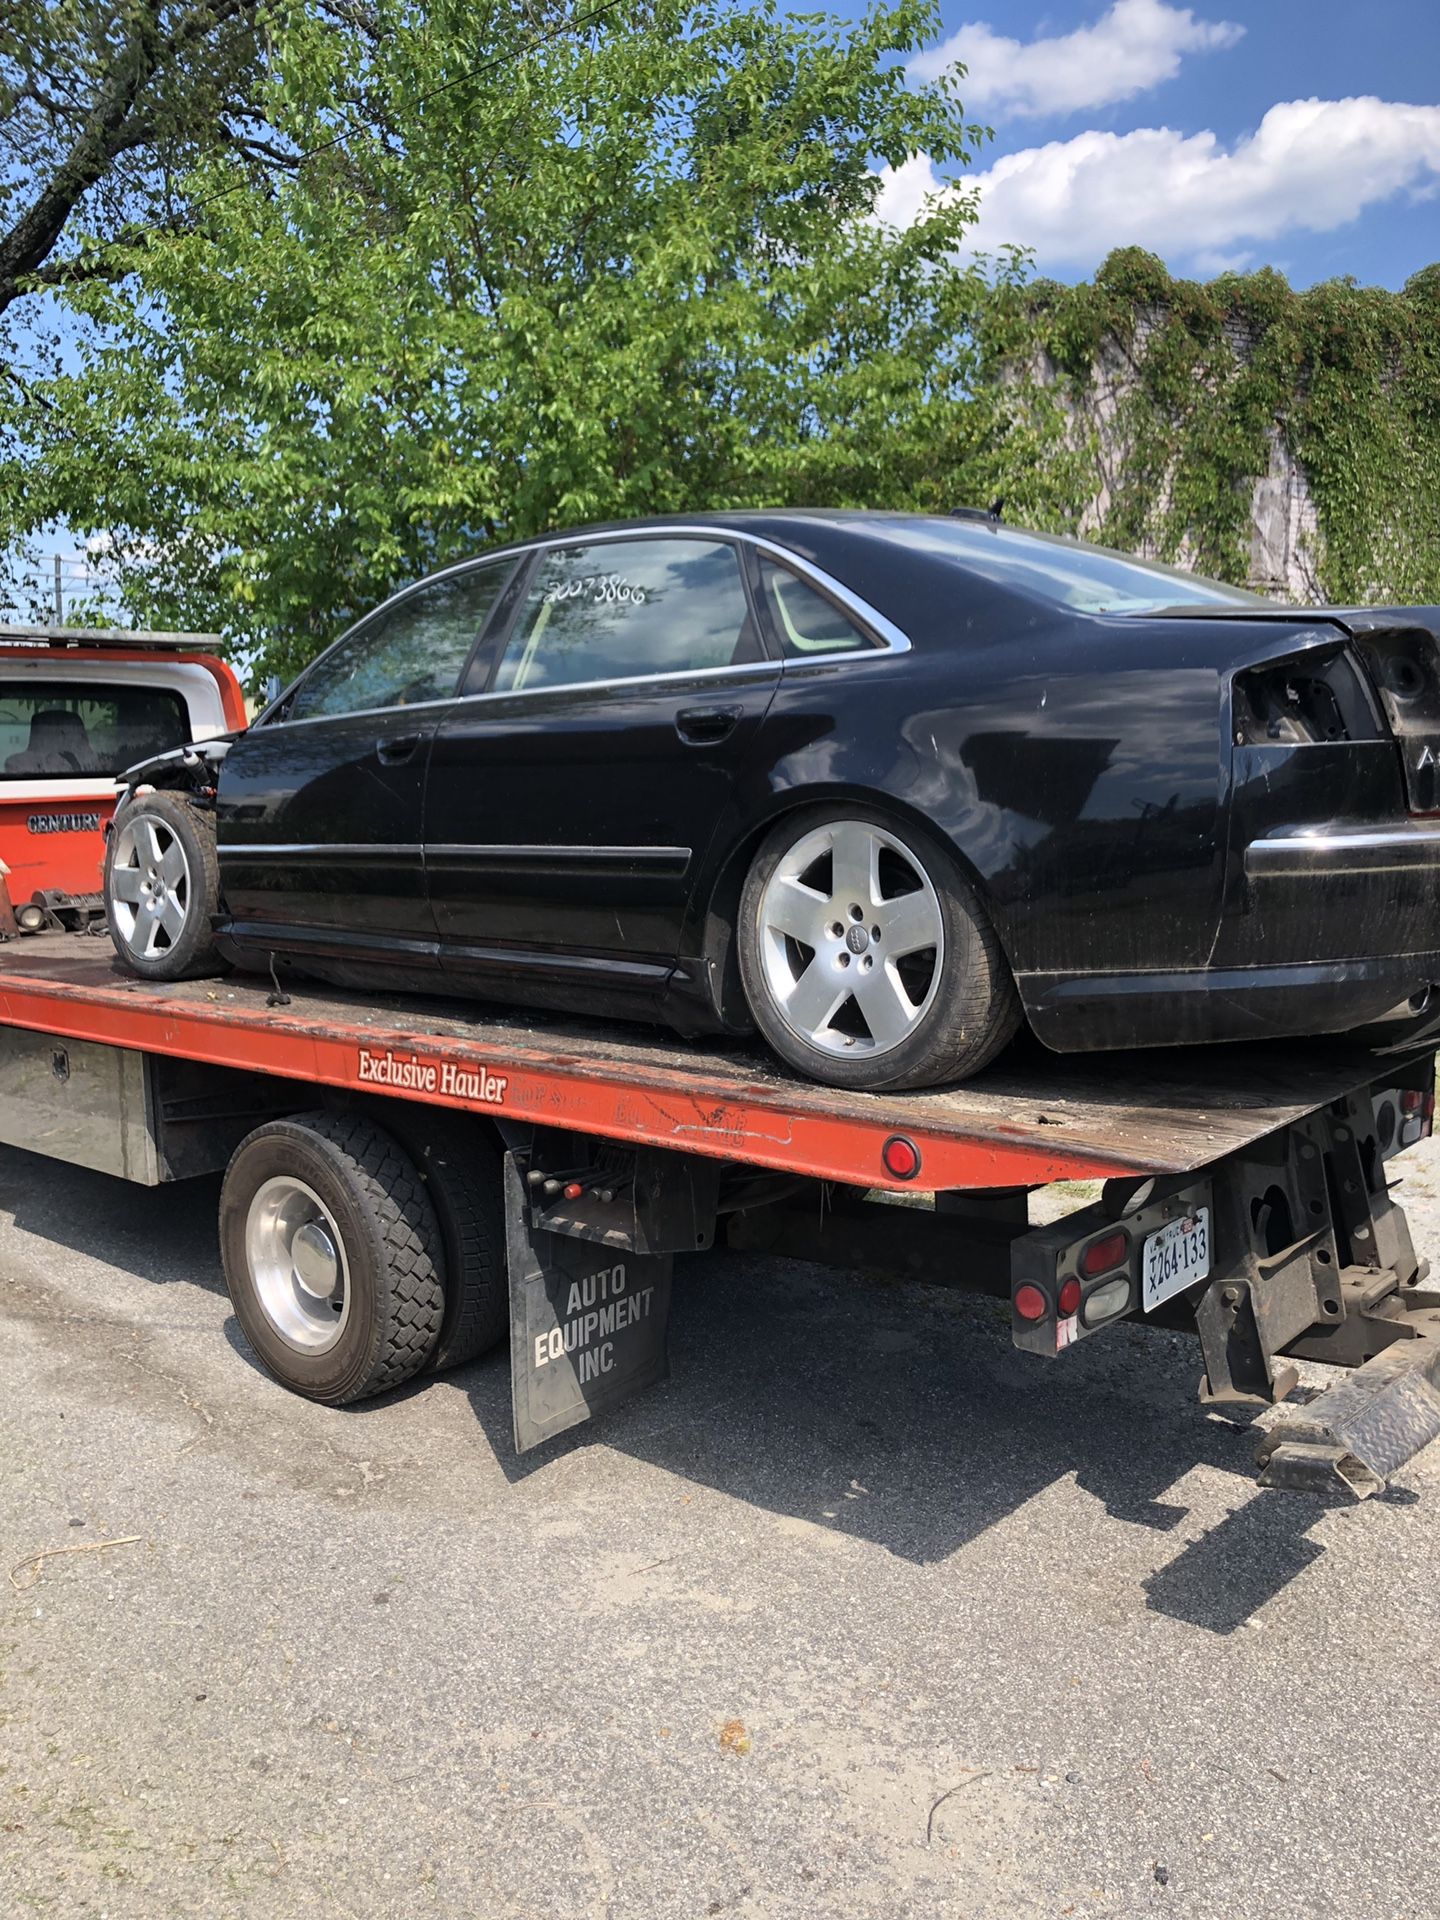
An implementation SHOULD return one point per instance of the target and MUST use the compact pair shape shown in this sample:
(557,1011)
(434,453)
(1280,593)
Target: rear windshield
(1070,572)
(63,731)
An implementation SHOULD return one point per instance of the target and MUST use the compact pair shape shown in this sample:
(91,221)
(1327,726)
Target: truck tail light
(1106,1300)
(1112,1250)
(1070,1296)
(1030,1302)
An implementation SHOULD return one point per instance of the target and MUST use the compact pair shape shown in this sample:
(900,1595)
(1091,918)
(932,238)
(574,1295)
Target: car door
(572,800)
(319,813)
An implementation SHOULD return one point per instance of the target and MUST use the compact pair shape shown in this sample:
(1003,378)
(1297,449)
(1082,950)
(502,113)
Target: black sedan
(882,785)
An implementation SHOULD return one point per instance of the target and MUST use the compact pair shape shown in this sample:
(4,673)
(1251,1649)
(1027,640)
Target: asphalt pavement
(861,1614)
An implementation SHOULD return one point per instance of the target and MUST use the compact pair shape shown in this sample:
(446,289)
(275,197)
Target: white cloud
(1128,50)
(1310,166)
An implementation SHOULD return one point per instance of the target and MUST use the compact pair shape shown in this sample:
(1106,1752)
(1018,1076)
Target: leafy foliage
(532,275)
(1346,377)
(105,108)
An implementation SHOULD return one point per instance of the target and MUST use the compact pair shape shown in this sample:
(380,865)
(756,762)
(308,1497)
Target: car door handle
(396,751)
(702,725)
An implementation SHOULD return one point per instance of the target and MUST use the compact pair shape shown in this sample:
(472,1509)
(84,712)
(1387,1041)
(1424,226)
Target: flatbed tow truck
(561,1165)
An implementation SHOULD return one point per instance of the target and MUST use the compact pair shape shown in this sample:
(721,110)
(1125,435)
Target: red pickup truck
(77,706)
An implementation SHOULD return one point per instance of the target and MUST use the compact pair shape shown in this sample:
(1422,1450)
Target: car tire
(162,888)
(464,1174)
(333,1256)
(867,958)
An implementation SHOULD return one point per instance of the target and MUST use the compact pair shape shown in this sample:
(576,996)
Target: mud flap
(588,1322)
(1352,1437)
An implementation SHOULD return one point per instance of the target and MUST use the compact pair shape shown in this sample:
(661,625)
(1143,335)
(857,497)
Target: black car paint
(579,851)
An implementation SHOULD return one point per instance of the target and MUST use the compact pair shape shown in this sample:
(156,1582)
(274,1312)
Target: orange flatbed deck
(1036,1117)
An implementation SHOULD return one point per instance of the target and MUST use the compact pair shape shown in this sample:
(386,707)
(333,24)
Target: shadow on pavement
(903,1415)
(897,1413)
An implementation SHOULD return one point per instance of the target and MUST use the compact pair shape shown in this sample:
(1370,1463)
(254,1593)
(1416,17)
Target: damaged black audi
(883,786)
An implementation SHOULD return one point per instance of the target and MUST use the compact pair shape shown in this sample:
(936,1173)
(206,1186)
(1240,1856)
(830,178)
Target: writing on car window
(620,610)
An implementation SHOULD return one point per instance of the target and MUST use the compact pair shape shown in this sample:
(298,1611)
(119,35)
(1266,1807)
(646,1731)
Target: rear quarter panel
(1080,778)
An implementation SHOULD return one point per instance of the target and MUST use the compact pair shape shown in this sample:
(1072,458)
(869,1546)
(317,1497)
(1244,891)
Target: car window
(56,730)
(618,610)
(1070,573)
(805,620)
(409,652)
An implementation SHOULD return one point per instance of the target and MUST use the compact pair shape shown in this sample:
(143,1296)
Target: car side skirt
(1091,1012)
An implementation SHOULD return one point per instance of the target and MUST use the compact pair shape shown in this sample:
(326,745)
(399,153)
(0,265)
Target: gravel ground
(862,1614)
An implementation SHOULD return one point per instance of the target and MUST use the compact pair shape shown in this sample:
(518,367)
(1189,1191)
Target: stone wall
(1285,529)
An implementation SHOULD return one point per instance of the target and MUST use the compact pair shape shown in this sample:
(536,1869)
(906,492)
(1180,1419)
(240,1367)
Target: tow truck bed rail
(1037,1119)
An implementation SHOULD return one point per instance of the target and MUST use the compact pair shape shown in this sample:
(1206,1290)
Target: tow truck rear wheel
(462,1168)
(333,1256)
(162,887)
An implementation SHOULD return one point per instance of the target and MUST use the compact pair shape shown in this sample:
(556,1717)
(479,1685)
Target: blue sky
(1301,134)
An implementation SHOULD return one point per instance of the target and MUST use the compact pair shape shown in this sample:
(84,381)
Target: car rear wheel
(162,888)
(867,959)
(333,1256)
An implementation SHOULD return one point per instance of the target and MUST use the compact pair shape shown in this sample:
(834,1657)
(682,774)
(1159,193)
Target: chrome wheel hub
(150,889)
(852,938)
(297,1262)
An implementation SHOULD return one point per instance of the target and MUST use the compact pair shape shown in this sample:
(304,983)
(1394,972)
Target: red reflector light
(574,1190)
(1070,1297)
(900,1157)
(1030,1302)
(1412,1101)
(1101,1255)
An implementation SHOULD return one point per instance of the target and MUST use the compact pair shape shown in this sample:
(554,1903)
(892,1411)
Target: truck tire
(333,1256)
(867,958)
(162,887)
(462,1167)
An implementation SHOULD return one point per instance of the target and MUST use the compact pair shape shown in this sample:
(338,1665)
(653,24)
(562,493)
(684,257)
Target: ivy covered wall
(1289,441)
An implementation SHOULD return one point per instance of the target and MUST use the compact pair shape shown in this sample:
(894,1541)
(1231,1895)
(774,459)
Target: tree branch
(110,128)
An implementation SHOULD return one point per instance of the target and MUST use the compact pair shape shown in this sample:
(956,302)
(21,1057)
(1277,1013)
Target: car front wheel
(867,959)
(162,887)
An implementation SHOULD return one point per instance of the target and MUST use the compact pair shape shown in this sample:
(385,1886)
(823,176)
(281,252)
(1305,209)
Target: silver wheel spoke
(798,911)
(147,842)
(172,864)
(855,864)
(816,996)
(889,1012)
(125,884)
(908,923)
(172,918)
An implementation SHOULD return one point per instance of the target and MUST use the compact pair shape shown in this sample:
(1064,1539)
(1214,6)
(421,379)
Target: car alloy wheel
(150,887)
(852,938)
(296,1256)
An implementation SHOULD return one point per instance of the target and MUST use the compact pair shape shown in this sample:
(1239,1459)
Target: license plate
(1175,1258)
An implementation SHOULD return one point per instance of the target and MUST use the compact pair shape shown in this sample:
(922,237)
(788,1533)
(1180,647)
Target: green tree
(551,267)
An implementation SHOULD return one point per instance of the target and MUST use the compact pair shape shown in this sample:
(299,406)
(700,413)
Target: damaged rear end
(1332,884)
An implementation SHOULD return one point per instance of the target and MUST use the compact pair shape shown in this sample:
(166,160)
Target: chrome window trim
(893,638)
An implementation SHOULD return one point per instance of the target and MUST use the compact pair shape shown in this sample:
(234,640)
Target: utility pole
(59,594)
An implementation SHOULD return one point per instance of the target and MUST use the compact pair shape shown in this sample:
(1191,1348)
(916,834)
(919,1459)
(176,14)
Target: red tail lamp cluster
(1102,1256)
(1113,1250)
